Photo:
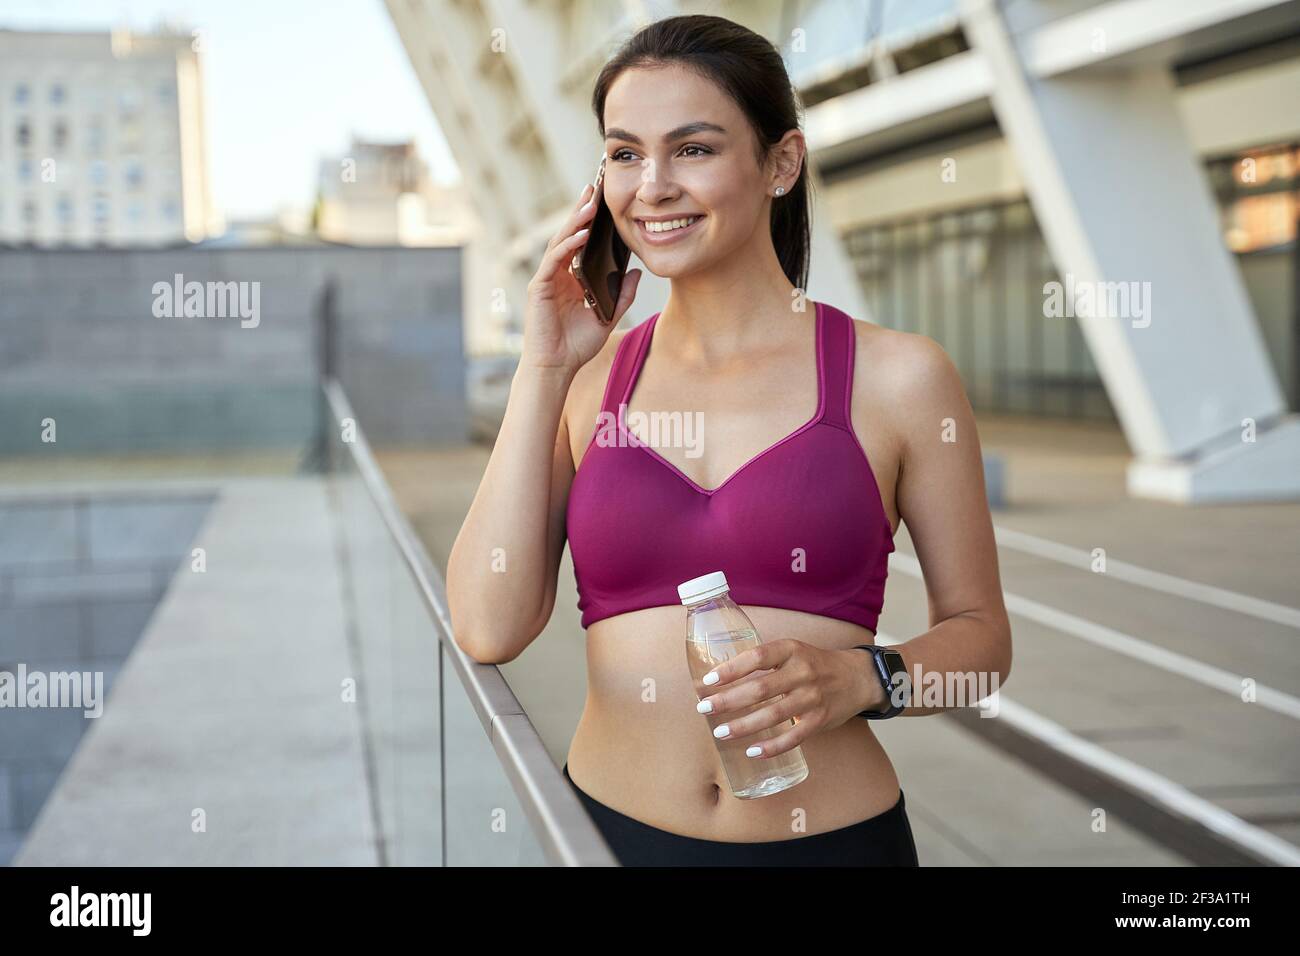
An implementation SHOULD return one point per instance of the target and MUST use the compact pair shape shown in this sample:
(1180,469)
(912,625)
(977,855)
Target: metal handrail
(562,825)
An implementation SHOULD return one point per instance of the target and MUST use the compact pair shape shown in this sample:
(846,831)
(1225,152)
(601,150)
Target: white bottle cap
(705,586)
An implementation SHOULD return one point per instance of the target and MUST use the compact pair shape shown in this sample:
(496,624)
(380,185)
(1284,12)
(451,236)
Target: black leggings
(882,840)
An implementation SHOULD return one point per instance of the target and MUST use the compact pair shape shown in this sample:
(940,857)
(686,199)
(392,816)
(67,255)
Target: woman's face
(678,149)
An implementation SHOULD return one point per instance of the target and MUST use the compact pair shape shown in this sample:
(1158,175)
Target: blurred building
(969,156)
(102,139)
(381,194)
(290,225)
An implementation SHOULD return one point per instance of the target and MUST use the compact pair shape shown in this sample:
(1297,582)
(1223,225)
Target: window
(21,94)
(134,176)
(60,135)
(128,100)
(1259,197)
(101,211)
(64,210)
(972,279)
(98,172)
(24,134)
(135,211)
(57,94)
(24,170)
(170,210)
(129,133)
(29,213)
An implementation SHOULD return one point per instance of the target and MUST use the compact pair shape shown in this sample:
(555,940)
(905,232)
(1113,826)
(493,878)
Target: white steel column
(1121,197)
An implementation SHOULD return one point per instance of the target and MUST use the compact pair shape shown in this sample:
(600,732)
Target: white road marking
(1159,790)
(1155,580)
(1136,648)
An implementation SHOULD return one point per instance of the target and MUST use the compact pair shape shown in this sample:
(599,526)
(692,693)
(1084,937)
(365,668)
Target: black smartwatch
(887,662)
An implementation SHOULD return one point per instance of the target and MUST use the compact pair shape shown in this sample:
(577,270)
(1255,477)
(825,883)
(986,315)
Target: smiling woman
(824,432)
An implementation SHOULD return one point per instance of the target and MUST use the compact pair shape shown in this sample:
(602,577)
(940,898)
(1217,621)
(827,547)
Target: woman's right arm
(502,571)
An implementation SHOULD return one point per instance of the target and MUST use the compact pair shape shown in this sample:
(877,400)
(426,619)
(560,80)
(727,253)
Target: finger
(558,258)
(767,655)
(782,743)
(760,686)
(774,716)
(566,229)
(626,294)
(583,210)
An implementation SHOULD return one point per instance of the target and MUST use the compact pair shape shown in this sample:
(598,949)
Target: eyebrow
(681,132)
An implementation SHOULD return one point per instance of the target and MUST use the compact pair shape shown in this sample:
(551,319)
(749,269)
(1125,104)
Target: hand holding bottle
(818,688)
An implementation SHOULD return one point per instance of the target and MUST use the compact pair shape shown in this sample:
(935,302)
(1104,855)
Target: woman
(823,432)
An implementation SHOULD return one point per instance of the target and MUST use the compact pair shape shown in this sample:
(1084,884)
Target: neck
(743,306)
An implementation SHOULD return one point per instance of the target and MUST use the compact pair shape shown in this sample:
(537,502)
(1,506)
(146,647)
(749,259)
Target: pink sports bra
(799,526)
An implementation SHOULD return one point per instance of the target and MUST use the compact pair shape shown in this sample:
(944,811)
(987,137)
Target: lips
(669,235)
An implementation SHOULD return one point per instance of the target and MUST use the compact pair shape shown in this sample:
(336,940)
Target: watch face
(894,661)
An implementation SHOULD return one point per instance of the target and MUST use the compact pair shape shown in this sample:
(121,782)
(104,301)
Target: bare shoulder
(903,377)
(582,404)
(588,385)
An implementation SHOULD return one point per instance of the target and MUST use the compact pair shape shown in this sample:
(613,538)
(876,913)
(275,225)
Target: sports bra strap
(837,353)
(835,358)
(627,360)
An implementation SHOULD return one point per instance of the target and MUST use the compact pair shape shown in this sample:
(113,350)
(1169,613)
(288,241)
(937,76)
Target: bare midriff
(642,749)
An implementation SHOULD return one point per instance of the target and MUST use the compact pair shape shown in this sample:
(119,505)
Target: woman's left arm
(941,497)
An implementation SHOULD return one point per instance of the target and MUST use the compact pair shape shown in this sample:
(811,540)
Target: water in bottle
(716,631)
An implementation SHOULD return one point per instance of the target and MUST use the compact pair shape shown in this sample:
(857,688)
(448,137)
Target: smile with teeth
(668,225)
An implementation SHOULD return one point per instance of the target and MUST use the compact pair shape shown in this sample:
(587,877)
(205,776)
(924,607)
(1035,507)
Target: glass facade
(972,279)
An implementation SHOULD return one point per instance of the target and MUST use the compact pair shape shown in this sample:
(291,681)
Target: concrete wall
(80,343)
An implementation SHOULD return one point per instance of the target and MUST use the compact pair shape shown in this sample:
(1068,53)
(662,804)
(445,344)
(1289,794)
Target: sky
(287,83)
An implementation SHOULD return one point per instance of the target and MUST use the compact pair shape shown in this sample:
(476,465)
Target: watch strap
(882,671)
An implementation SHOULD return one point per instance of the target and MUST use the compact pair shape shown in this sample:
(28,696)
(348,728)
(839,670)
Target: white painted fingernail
(721,730)
(711,677)
(705,707)
(753,751)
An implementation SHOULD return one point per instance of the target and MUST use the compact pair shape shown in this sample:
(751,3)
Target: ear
(787,159)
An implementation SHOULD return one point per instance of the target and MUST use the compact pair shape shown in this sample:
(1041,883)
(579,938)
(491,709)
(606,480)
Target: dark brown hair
(750,70)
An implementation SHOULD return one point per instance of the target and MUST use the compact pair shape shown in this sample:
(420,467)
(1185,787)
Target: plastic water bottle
(716,631)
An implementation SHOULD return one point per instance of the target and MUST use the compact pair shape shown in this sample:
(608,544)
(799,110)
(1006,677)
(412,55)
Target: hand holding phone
(601,263)
(558,327)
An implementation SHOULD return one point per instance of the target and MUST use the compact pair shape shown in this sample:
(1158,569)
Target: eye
(618,155)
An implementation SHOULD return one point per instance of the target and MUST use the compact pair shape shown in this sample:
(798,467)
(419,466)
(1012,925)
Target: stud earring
(780,190)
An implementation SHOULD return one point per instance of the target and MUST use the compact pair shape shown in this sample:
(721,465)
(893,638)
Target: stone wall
(80,344)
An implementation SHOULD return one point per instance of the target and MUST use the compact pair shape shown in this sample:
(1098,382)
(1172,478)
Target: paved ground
(1137,676)
(228,710)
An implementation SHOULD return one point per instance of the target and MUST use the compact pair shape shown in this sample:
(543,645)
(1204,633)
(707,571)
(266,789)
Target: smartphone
(600,264)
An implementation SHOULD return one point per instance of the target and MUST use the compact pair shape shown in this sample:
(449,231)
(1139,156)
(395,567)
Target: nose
(656,187)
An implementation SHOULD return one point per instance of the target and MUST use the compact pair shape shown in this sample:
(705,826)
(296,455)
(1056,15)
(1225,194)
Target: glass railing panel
(486,825)
(449,748)
(417,733)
